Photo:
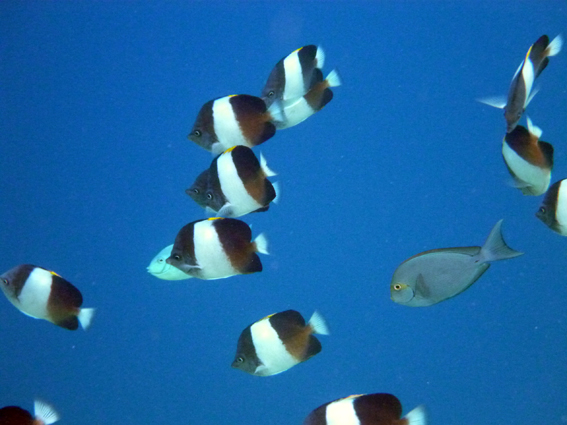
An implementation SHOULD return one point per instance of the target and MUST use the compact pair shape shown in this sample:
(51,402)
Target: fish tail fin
(319,324)
(85,317)
(495,248)
(494,101)
(264,165)
(278,190)
(555,46)
(417,416)
(261,244)
(320,57)
(333,79)
(45,412)
(276,111)
(536,131)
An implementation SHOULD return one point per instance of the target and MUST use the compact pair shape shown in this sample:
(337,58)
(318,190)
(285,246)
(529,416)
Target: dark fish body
(436,275)
(553,209)
(238,183)
(216,248)
(43,294)
(528,159)
(294,75)
(232,120)
(522,86)
(365,409)
(278,342)
(198,190)
(297,110)
(14,415)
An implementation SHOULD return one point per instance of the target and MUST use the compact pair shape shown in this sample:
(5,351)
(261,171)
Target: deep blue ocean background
(96,101)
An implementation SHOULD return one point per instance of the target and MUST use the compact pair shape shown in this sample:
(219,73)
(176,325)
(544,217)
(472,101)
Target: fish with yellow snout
(439,274)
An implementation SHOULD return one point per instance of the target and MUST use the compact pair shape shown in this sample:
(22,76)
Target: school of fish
(237,183)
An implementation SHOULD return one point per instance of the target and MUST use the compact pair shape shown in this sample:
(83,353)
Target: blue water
(96,100)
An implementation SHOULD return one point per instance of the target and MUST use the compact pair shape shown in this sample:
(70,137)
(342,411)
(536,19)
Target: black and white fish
(294,75)
(43,294)
(529,160)
(277,342)
(522,90)
(234,120)
(553,209)
(366,409)
(216,248)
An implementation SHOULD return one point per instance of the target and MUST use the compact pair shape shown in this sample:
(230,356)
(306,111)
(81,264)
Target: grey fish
(439,274)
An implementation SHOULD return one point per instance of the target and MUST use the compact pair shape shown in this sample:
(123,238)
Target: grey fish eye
(542,210)
(197,133)
(209,196)
(271,93)
(5,281)
(177,257)
(196,191)
(239,359)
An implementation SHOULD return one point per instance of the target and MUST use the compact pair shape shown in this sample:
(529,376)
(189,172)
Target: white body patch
(226,125)
(561,208)
(528,76)
(294,86)
(342,412)
(295,112)
(270,349)
(210,254)
(233,188)
(33,298)
(537,178)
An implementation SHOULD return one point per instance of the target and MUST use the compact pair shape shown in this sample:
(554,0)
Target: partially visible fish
(297,110)
(294,75)
(529,160)
(553,209)
(44,414)
(365,409)
(522,90)
(160,269)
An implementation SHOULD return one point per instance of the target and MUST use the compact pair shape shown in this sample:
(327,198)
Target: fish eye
(271,93)
(209,196)
(542,210)
(239,360)
(177,257)
(161,260)
(196,191)
(197,133)
(5,281)
(397,287)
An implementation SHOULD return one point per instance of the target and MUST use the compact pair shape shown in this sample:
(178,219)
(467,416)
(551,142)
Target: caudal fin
(417,416)
(45,412)
(85,317)
(319,324)
(495,248)
(261,242)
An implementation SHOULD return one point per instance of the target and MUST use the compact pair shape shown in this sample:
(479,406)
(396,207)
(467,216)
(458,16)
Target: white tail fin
(320,57)
(555,46)
(264,165)
(45,412)
(319,324)
(85,317)
(261,242)
(333,79)
(495,101)
(536,131)
(278,190)
(417,416)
